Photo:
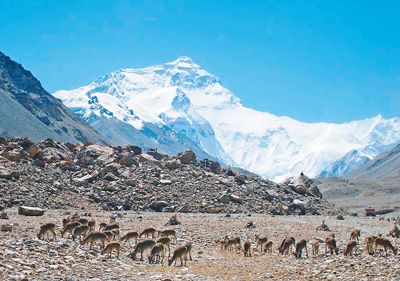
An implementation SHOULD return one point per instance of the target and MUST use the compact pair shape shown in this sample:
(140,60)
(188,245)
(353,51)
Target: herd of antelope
(373,244)
(110,240)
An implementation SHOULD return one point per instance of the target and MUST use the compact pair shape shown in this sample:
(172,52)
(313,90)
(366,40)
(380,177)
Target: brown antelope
(111,227)
(102,225)
(286,245)
(395,232)
(247,248)
(83,221)
(140,247)
(179,253)
(80,231)
(330,243)
(315,247)
(355,235)
(150,231)
(131,235)
(92,225)
(65,221)
(167,244)
(109,234)
(231,243)
(45,229)
(115,233)
(69,227)
(188,246)
(94,237)
(110,247)
(351,246)
(261,241)
(369,241)
(302,244)
(167,233)
(385,244)
(157,254)
(268,247)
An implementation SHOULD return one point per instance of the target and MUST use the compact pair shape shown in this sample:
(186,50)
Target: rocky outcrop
(116,178)
(303,185)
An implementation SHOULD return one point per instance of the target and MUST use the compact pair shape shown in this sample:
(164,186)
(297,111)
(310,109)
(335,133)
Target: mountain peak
(184,61)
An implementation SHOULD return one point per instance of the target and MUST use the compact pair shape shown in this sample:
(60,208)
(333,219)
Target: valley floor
(23,255)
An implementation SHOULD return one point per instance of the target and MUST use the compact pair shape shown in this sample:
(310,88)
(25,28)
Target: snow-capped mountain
(179,105)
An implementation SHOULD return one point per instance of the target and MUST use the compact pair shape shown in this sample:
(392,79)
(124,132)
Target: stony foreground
(23,255)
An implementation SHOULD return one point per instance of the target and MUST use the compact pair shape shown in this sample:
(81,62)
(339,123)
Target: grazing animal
(384,243)
(140,247)
(369,241)
(231,243)
(80,231)
(188,246)
(261,241)
(179,253)
(355,234)
(109,234)
(247,248)
(268,247)
(69,227)
(302,244)
(83,221)
(330,243)
(395,232)
(92,225)
(351,246)
(167,244)
(45,229)
(157,254)
(148,232)
(93,237)
(167,233)
(115,233)
(286,245)
(131,235)
(110,247)
(65,221)
(102,225)
(315,247)
(111,227)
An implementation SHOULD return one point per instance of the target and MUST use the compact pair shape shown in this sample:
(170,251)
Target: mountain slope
(195,106)
(27,110)
(385,166)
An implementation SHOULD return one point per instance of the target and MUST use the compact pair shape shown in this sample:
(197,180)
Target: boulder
(156,154)
(158,206)
(51,155)
(6,227)
(9,175)
(303,185)
(136,150)
(173,164)
(236,199)
(128,160)
(224,198)
(30,211)
(187,157)
(215,167)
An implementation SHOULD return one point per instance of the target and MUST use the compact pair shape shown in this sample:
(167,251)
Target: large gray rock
(30,211)
(187,157)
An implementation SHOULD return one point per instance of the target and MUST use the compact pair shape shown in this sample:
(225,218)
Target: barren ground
(23,255)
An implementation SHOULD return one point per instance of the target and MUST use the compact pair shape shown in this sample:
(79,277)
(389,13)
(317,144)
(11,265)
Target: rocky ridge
(51,174)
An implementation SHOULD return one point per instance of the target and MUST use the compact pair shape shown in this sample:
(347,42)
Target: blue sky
(311,60)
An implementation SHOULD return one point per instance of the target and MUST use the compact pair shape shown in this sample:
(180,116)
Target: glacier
(179,105)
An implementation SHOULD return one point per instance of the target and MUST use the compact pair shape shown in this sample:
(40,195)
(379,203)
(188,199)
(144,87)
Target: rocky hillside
(385,166)
(56,175)
(27,110)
